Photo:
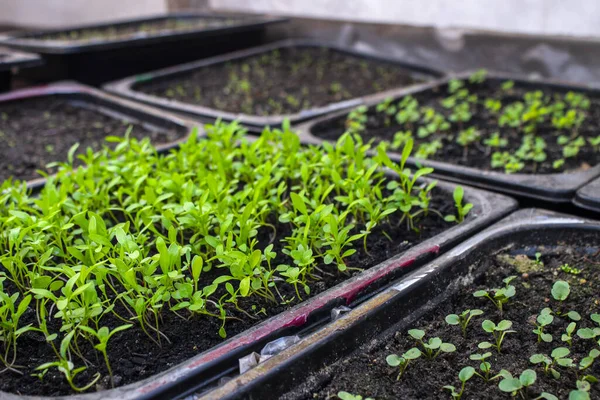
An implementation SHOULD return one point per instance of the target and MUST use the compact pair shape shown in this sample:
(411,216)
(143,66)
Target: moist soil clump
(134,356)
(282,81)
(36,132)
(367,373)
(380,127)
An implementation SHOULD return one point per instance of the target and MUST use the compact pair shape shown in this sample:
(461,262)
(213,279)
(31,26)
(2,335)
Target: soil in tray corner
(36,132)
(366,372)
(282,81)
(442,143)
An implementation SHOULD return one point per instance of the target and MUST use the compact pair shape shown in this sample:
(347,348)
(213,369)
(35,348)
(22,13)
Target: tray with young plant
(511,313)
(40,126)
(137,261)
(98,53)
(531,138)
(294,80)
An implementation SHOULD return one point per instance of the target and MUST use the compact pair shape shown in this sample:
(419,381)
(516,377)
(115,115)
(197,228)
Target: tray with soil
(98,53)
(153,273)
(530,138)
(588,197)
(11,61)
(39,126)
(293,79)
(512,311)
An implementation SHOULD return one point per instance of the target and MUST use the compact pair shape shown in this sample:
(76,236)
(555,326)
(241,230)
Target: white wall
(552,17)
(56,13)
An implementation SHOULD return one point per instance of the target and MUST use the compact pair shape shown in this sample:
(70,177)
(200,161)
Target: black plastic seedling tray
(588,197)
(208,367)
(128,87)
(11,61)
(395,309)
(106,104)
(549,188)
(97,61)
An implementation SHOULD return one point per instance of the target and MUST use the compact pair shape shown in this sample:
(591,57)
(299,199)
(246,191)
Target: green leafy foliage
(133,234)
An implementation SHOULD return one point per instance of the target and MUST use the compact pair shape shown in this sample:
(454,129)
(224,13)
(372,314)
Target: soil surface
(134,357)
(132,31)
(478,155)
(367,373)
(35,132)
(282,81)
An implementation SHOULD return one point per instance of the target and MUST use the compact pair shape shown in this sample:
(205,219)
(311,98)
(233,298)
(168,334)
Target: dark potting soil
(282,81)
(134,356)
(137,30)
(35,132)
(478,155)
(366,372)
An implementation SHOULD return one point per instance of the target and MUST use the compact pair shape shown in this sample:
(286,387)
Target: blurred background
(541,38)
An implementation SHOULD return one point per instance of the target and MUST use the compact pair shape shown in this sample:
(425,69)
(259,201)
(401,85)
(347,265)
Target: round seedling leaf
(452,319)
(466,373)
(560,352)
(447,347)
(548,396)
(545,319)
(574,316)
(416,333)
(412,354)
(434,343)
(488,326)
(504,325)
(560,290)
(394,360)
(476,312)
(537,358)
(484,345)
(586,333)
(510,385)
(546,337)
(480,293)
(528,377)
(579,395)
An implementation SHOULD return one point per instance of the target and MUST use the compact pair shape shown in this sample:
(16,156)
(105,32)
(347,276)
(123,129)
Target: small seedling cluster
(554,364)
(512,128)
(205,231)
(283,82)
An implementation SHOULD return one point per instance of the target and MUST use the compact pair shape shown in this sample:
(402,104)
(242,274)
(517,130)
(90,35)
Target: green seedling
(590,333)
(544,319)
(583,389)
(557,357)
(433,347)
(103,335)
(461,209)
(478,76)
(560,293)
(587,361)
(499,296)
(486,368)
(463,376)
(402,361)
(519,387)
(499,331)
(495,141)
(566,268)
(568,335)
(349,396)
(463,319)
